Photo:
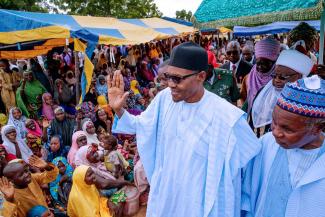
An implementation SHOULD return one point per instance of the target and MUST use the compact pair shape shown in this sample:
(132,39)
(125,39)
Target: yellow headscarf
(134,88)
(84,200)
(3,119)
(101,99)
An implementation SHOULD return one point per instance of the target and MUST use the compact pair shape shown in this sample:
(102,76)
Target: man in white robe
(192,143)
(287,179)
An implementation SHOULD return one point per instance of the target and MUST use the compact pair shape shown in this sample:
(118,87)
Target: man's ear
(202,76)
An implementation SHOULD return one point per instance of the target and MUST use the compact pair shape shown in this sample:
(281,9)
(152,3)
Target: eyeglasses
(178,79)
(281,77)
(234,52)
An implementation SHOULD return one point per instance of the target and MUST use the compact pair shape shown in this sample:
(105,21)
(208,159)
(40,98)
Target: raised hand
(37,162)
(46,123)
(7,189)
(116,95)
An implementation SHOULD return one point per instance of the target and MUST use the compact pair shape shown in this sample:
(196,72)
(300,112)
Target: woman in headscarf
(88,110)
(101,85)
(102,104)
(33,128)
(79,139)
(17,119)
(61,126)
(89,155)
(134,86)
(56,149)
(64,96)
(47,106)
(266,52)
(35,144)
(84,198)
(5,158)
(89,129)
(13,144)
(103,122)
(60,188)
(29,95)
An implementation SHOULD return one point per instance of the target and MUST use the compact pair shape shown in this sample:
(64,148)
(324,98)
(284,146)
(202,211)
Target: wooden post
(77,75)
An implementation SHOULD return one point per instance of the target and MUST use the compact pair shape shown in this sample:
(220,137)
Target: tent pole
(77,75)
(321,40)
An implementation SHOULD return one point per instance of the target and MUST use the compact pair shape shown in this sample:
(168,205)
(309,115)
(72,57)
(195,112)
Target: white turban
(296,61)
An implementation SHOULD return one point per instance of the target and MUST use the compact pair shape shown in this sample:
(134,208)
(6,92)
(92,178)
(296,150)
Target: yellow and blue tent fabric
(229,13)
(272,28)
(21,26)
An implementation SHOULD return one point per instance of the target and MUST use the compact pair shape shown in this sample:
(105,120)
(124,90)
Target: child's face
(48,100)
(61,168)
(101,137)
(82,141)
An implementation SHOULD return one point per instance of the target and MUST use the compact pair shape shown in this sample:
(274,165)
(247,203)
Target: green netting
(215,13)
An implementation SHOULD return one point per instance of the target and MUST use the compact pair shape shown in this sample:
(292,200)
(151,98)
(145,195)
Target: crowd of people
(96,157)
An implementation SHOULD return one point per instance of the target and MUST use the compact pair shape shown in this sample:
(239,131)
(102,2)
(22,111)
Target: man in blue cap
(288,177)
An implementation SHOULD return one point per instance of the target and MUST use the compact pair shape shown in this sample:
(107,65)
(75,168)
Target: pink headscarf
(74,147)
(37,132)
(47,110)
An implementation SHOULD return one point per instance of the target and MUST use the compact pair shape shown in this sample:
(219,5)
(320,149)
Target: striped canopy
(20,26)
(216,13)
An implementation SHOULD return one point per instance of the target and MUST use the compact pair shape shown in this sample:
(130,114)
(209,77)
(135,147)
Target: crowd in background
(44,124)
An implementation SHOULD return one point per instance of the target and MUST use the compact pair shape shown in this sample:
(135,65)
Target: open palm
(116,95)
(7,189)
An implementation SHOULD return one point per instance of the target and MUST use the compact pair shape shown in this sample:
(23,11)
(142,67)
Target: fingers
(2,182)
(114,79)
(121,87)
(125,96)
(109,81)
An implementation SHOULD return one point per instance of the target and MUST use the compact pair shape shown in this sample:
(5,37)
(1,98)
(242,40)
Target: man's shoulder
(268,141)
(225,65)
(245,64)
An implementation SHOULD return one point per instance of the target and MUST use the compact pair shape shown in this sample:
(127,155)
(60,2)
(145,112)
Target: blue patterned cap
(301,98)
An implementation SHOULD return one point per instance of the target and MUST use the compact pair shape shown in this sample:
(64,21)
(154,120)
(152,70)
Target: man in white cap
(192,143)
(287,178)
(290,66)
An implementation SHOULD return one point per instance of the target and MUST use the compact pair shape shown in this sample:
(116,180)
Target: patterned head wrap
(268,48)
(305,97)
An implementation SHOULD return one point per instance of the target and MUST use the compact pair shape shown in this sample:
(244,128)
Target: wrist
(119,112)
(10,199)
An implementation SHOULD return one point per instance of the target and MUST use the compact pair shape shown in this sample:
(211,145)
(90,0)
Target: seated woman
(61,187)
(5,158)
(35,144)
(47,106)
(85,199)
(29,95)
(17,119)
(89,155)
(88,111)
(101,85)
(90,131)
(13,144)
(33,128)
(103,122)
(61,125)
(56,149)
(79,139)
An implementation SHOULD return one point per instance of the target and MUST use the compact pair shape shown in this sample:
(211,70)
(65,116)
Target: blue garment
(37,211)
(306,198)
(54,186)
(192,154)
(101,89)
(279,186)
(62,152)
